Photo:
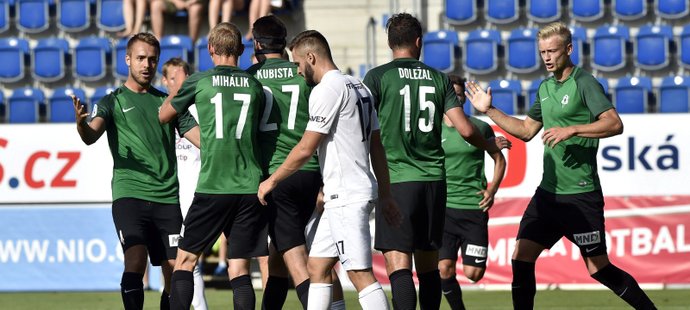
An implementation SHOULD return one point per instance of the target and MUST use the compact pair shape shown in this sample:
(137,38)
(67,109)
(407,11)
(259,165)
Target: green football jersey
(228,101)
(143,150)
(285,114)
(411,98)
(464,167)
(571,166)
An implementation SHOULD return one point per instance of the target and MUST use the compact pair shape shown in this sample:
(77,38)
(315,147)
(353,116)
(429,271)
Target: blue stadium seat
(604,84)
(523,53)
(631,94)
(245,60)
(201,57)
(439,49)
(120,69)
(4,15)
(32,15)
(579,36)
(587,10)
(48,59)
(653,45)
(502,11)
(90,58)
(109,15)
(99,93)
(481,51)
(24,105)
(685,47)
(544,11)
(73,15)
(60,106)
(13,52)
(672,9)
(505,95)
(674,94)
(174,46)
(629,9)
(609,47)
(532,92)
(461,12)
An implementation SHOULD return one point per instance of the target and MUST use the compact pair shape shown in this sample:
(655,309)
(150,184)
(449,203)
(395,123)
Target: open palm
(480,99)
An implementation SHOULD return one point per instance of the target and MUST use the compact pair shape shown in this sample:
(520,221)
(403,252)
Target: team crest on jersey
(475,250)
(565,100)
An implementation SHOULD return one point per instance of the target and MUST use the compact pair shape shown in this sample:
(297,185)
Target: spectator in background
(133,12)
(225,9)
(257,9)
(160,7)
(176,71)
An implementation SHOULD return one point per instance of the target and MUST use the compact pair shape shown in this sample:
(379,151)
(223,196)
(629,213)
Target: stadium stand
(49,59)
(439,49)
(60,106)
(505,95)
(671,9)
(4,15)
(175,46)
(73,15)
(653,44)
(32,15)
(579,40)
(201,57)
(684,47)
(523,53)
(245,60)
(587,10)
(609,47)
(532,93)
(90,58)
(629,9)
(674,94)
(121,70)
(13,52)
(631,94)
(502,11)
(481,51)
(543,11)
(24,105)
(109,15)
(460,12)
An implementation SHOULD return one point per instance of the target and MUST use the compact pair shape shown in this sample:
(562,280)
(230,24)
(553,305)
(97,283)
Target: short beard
(309,75)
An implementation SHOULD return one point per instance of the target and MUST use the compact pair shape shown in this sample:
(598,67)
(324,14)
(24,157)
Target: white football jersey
(188,167)
(342,108)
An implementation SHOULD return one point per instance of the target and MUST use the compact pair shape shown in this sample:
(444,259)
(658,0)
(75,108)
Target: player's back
(411,99)
(341,107)
(285,113)
(228,101)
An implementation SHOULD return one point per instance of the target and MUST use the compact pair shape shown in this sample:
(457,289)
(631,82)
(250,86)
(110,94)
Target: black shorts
(578,217)
(155,225)
(423,208)
(290,206)
(241,217)
(469,230)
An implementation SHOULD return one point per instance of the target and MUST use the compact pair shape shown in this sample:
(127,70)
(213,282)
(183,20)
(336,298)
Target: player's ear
(311,58)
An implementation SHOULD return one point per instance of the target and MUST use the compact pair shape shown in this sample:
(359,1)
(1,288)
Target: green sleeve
(185,122)
(373,84)
(451,100)
(535,111)
(186,95)
(592,94)
(104,107)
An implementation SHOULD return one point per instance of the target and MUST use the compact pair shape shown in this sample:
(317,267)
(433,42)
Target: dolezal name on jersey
(414,74)
(230,81)
(274,73)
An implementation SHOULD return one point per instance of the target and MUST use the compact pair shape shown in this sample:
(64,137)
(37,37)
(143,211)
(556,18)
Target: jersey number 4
(424,104)
(217,100)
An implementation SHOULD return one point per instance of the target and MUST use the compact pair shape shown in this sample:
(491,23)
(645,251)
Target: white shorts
(343,232)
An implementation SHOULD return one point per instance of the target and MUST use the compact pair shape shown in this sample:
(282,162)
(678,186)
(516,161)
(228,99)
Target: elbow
(618,128)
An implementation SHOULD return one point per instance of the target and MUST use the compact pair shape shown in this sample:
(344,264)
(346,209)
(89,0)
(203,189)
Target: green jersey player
(575,114)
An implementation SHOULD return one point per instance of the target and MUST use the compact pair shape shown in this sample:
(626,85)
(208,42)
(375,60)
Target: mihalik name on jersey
(274,73)
(230,81)
(414,74)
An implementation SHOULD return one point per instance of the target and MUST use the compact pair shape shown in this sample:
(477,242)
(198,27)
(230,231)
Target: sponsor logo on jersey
(173,240)
(317,119)
(587,238)
(476,251)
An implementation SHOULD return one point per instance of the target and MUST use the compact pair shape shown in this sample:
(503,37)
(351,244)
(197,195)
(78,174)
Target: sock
(199,299)
(524,285)
(132,290)
(319,296)
(275,293)
(338,305)
(373,297)
(623,285)
(303,292)
(165,301)
(402,288)
(429,290)
(181,289)
(243,297)
(451,289)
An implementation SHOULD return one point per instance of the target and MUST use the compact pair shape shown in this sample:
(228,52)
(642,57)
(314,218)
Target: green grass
(222,299)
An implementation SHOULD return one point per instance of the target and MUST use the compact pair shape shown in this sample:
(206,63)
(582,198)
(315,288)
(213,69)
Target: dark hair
(146,38)
(457,80)
(313,41)
(177,62)
(226,40)
(269,31)
(403,30)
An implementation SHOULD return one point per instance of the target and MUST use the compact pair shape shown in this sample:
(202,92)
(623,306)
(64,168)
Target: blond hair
(556,29)
(226,40)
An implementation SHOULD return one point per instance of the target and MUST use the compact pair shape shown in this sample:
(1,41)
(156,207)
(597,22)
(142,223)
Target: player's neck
(405,53)
(219,60)
(132,85)
(565,73)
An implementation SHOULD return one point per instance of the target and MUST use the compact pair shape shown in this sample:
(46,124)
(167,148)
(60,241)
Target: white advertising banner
(48,163)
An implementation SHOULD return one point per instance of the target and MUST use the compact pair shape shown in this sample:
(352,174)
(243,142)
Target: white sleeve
(324,106)
(374,119)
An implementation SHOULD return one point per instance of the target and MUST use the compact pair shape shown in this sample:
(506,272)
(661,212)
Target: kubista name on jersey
(274,73)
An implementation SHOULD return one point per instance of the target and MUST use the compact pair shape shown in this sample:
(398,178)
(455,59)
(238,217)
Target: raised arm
(167,112)
(89,132)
